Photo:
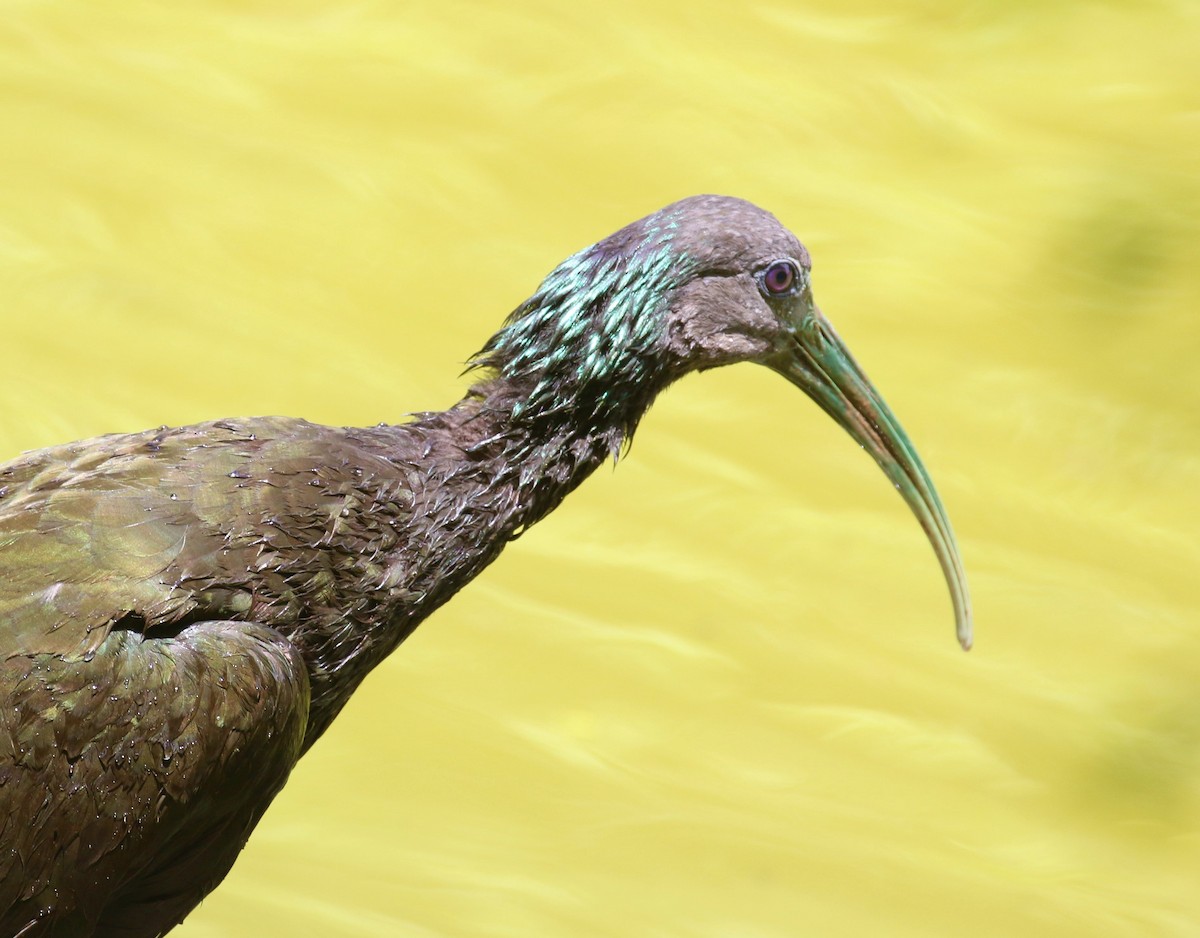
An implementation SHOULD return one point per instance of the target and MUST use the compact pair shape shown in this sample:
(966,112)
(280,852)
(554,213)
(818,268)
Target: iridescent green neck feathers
(589,342)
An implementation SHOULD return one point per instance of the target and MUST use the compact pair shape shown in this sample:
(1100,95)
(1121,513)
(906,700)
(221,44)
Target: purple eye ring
(779,278)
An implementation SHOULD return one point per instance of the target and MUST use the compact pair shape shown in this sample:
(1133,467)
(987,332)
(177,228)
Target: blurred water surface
(717,693)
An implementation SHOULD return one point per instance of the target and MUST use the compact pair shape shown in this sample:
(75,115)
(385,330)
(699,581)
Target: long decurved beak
(816,360)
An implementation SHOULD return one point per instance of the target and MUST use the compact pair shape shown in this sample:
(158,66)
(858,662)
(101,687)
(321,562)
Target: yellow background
(717,693)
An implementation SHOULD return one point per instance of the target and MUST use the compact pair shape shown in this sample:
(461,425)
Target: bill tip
(966,635)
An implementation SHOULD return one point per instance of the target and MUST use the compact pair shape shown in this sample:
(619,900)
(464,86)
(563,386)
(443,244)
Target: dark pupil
(780,278)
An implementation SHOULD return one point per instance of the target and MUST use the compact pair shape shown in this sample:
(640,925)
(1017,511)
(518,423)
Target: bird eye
(779,279)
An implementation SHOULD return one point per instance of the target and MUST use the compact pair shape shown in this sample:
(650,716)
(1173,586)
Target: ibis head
(704,282)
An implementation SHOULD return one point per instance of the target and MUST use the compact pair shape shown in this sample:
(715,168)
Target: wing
(131,778)
(152,695)
(142,732)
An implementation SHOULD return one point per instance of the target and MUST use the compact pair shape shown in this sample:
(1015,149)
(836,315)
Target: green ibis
(184,611)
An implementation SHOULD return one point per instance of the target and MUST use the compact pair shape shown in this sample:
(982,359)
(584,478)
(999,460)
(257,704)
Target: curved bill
(818,362)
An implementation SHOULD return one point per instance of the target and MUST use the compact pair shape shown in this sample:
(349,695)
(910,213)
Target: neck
(568,378)
(514,458)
